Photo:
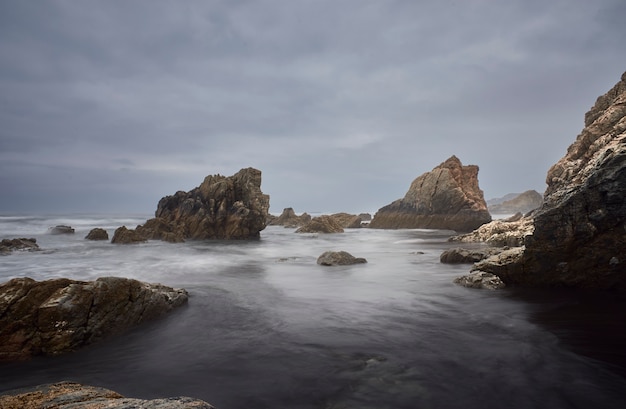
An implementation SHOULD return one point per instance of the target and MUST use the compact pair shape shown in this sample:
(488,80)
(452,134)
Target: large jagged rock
(321,224)
(288,218)
(522,203)
(579,237)
(221,207)
(448,197)
(60,315)
(70,395)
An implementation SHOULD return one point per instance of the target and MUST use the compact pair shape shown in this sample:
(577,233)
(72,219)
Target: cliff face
(580,231)
(523,203)
(448,197)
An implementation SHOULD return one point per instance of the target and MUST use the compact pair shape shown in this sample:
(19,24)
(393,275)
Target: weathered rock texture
(499,233)
(61,230)
(221,207)
(467,256)
(21,244)
(123,235)
(321,224)
(288,218)
(97,234)
(60,315)
(347,221)
(70,395)
(480,279)
(339,258)
(522,203)
(448,197)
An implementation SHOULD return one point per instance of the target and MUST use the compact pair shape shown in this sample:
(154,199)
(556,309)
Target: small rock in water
(339,258)
(60,229)
(480,279)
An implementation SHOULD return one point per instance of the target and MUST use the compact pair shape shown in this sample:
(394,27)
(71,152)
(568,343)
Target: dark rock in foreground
(70,395)
(60,230)
(60,315)
(21,244)
(97,234)
(448,197)
(339,258)
(321,224)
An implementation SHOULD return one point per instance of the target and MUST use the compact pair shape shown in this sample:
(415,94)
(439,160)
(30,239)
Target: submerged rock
(448,197)
(60,315)
(339,258)
(60,229)
(480,279)
(21,244)
(70,395)
(321,224)
(97,234)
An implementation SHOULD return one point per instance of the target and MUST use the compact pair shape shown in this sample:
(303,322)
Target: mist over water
(266,327)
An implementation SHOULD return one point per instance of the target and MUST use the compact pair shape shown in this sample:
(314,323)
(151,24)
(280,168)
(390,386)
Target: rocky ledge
(60,315)
(70,395)
(448,197)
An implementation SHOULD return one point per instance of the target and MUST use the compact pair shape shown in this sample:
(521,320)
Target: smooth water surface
(266,327)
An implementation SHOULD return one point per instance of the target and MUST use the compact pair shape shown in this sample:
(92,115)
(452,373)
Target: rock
(467,256)
(505,264)
(365,217)
(22,244)
(288,218)
(97,234)
(338,258)
(321,224)
(70,395)
(480,279)
(60,315)
(221,207)
(347,221)
(499,233)
(448,197)
(60,229)
(124,235)
(522,203)
(579,238)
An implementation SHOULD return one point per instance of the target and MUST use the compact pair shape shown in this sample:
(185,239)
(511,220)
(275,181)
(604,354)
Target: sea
(267,327)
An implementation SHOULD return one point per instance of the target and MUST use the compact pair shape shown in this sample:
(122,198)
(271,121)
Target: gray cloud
(340,103)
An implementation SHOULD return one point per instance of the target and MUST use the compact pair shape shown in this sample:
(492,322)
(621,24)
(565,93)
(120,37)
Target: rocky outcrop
(60,230)
(499,233)
(60,315)
(522,203)
(321,224)
(70,395)
(123,235)
(339,258)
(467,256)
(480,279)
(21,244)
(288,218)
(580,231)
(347,221)
(221,207)
(97,234)
(448,197)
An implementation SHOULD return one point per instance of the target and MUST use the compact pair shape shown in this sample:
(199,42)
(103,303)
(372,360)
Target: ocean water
(266,327)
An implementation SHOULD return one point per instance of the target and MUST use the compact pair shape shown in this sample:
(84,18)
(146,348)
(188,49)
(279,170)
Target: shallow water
(267,327)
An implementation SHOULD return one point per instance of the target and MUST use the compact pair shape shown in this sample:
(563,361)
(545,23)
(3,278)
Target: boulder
(70,395)
(97,234)
(288,218)
(321,224)
(467,256)
(448,197)
(365,217)
(347,221)
(60,229)
(499,233)
(338,258)
(21,244)
(221,207)
(522,203)
(60,315)
(123,235)
(480,279)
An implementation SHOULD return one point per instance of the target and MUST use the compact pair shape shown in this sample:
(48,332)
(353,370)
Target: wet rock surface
(21,244)
(339,258)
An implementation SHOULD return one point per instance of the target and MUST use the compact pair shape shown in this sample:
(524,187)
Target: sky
(108,106)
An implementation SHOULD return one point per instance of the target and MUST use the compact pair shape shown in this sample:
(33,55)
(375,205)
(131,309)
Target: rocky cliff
(448,197)
(523,203)
(579,237)
(60,315)
(221,207)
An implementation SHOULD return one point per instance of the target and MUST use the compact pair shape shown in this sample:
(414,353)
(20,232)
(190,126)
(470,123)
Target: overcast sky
(107,106)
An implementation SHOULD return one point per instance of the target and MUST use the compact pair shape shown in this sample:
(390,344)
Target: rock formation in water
(21,244)
(97,234)
(60,315)
(467,256)
(480,279)
(123,235)
(579,237)
(61,230)
(70,395)
(339,258)
(221,207)
(448,197)
(288,218)
(321,224)
(522,203)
